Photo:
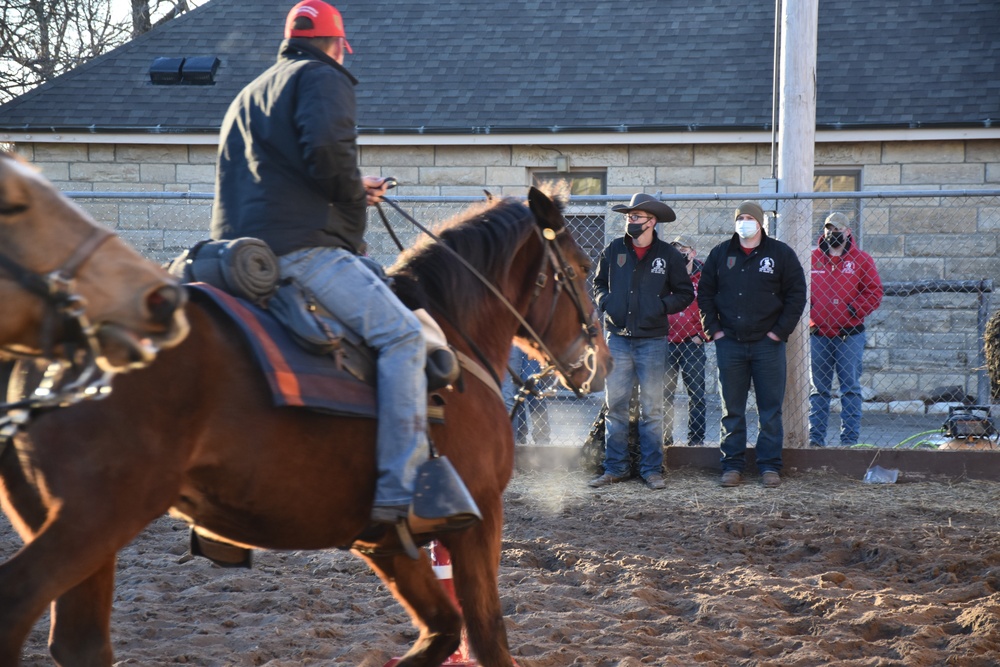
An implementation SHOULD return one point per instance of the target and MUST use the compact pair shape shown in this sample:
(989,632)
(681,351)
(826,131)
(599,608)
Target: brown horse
(66,282)
(196,433)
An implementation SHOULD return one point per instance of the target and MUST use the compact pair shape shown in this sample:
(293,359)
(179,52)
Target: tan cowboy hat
(650,204)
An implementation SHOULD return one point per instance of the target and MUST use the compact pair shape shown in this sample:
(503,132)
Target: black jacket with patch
(637,295)
(288,159)
(745,296)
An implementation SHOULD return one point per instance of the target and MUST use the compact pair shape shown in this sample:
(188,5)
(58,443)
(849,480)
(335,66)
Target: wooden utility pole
(796,159)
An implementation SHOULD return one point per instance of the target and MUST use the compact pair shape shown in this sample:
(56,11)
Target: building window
(581,182)
(586,221)
(833,181)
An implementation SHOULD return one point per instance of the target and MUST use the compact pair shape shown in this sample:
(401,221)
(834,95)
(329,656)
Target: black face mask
(634,229)
(835,239)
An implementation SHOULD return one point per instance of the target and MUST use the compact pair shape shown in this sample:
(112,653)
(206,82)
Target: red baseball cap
(326,21)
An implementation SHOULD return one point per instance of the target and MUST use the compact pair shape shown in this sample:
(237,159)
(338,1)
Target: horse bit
(66,308)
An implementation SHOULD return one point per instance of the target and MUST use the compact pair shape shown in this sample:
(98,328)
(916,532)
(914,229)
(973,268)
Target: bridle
(551,255)
(65,310)
(564,274)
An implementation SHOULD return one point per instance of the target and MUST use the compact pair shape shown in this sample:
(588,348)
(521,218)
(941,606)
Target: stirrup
(441,502)
(406,540)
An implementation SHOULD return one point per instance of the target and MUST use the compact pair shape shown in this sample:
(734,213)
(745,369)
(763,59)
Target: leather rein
(551,256)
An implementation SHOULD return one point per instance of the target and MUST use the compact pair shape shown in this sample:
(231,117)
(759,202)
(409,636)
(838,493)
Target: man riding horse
(287,174)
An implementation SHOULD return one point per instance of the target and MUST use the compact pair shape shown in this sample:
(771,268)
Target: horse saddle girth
(326,368)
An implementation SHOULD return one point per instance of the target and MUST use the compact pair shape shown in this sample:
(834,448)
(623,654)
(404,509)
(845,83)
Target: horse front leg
(413,583)
(475,555)
(80,634)
(20,606)
(47,567)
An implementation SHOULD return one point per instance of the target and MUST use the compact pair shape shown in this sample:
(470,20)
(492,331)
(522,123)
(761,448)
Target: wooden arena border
(913,465)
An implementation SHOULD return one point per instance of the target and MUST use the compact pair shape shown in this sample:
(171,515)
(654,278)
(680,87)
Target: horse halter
(66,308)
(563,271)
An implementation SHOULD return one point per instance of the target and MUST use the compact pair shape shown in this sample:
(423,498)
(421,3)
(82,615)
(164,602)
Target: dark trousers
(686,359)
(762,363)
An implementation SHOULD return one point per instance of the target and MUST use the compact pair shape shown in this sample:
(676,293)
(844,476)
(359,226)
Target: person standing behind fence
(531,406)
(639,281)
(686,356)
(752,294)
(845,289)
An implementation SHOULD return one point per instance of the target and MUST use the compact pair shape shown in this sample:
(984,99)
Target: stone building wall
(915,342)
(160,226)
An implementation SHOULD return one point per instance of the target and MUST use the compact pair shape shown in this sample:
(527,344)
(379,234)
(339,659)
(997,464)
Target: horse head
(561,326)
(67,282)
(504,270)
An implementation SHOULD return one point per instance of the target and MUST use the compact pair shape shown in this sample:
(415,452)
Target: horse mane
(487,236)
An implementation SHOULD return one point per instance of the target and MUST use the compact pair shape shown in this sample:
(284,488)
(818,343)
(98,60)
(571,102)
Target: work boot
(731,478)
(655,482)
(605,480)
(441,502)
(770,479)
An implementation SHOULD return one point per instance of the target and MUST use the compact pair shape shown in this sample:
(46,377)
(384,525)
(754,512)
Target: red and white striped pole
(441,562)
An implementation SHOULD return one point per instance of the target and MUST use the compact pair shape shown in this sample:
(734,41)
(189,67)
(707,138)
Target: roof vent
(199,70)
(194,71)
(165,71)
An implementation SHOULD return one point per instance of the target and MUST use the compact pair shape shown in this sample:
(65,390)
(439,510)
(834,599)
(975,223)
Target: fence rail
(937,251)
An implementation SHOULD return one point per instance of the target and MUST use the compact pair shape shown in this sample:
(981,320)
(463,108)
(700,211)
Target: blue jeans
(688,360)
(359,299)
(840,356)
(641,360)
(763,363)
(524,366)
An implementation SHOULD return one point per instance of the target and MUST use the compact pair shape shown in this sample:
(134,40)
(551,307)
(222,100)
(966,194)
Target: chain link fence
(935,253)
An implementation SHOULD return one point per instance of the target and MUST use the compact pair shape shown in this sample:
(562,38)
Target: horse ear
(546,211)
(489,195)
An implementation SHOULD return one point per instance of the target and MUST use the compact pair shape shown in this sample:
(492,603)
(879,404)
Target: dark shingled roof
(475,66)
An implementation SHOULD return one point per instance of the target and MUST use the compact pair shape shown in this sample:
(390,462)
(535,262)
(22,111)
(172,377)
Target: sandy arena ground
(825,570)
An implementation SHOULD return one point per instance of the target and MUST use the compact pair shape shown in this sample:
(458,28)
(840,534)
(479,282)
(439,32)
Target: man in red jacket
(686,357)
(846,288)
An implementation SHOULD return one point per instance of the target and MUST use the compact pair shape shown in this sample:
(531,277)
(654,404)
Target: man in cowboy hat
(640,279)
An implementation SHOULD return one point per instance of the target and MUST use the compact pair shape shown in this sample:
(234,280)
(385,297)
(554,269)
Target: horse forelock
(487,236)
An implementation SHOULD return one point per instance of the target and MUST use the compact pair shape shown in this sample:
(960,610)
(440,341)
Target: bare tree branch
(41,39)
(145,11)
(140,17)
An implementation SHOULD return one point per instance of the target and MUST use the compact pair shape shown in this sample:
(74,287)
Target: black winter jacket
(745,296)
(288,164)
(636,296)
